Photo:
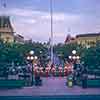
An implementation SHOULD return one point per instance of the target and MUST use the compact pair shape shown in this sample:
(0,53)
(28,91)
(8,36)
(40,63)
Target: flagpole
(51,43)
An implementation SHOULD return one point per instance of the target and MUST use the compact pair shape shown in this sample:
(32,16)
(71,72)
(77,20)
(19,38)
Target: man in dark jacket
(37,79)
(84,78)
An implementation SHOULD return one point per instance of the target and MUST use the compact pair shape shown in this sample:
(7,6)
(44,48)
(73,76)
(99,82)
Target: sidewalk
(51,86)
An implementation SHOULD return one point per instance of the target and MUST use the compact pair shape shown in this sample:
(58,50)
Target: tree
(91,57)
(17,52)
(66,49)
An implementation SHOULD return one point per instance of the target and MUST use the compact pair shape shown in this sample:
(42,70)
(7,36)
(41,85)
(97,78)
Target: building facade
(69,39)
(19,39)
(6,29)
(87,40)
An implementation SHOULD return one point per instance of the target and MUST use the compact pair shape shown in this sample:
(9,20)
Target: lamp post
(74,57)
(31,58)
(75,60)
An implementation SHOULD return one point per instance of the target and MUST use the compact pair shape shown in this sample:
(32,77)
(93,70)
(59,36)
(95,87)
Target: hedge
(93,83)
(12,83)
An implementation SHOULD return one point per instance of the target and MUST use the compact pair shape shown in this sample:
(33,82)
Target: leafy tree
(91,57)
(64,50)
(17,52)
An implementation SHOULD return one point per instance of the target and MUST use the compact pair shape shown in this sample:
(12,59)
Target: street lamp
(74,57)
(31,58)
(75,60)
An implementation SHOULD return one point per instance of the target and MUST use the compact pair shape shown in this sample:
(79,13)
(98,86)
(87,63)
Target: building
(28,41)
(69,39)
(87,40)
(19,38)
(6,29)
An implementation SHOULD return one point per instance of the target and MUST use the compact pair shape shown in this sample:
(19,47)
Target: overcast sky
(31,18)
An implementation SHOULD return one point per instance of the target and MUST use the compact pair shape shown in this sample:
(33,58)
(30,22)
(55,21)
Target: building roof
(19,36)
(88,35)
(5,25)
(69,39)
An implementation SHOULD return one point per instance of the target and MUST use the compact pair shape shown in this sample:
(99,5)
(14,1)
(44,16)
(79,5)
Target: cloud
(28,21)
(22,12)
(35,24)
(60,17)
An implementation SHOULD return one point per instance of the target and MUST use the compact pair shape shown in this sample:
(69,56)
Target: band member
(53,70)
(47,70)
(65,70)
(41,70)
(60,70)
(36,70)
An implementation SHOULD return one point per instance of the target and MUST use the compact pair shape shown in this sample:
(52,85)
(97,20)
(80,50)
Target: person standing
(84,78)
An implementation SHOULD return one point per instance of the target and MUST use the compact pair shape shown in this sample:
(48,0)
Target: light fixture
(74,57)
(28,58)
(31,52)
(31,57)
(35,57)
(74,52)
(78,57)
(40,51)
(70,57)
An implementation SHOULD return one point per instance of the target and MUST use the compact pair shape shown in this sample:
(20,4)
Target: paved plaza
(51,86)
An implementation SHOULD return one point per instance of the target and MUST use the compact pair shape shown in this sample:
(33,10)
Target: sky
(31,18)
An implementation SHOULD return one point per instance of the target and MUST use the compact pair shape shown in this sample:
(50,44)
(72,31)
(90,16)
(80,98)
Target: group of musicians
(68,68)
